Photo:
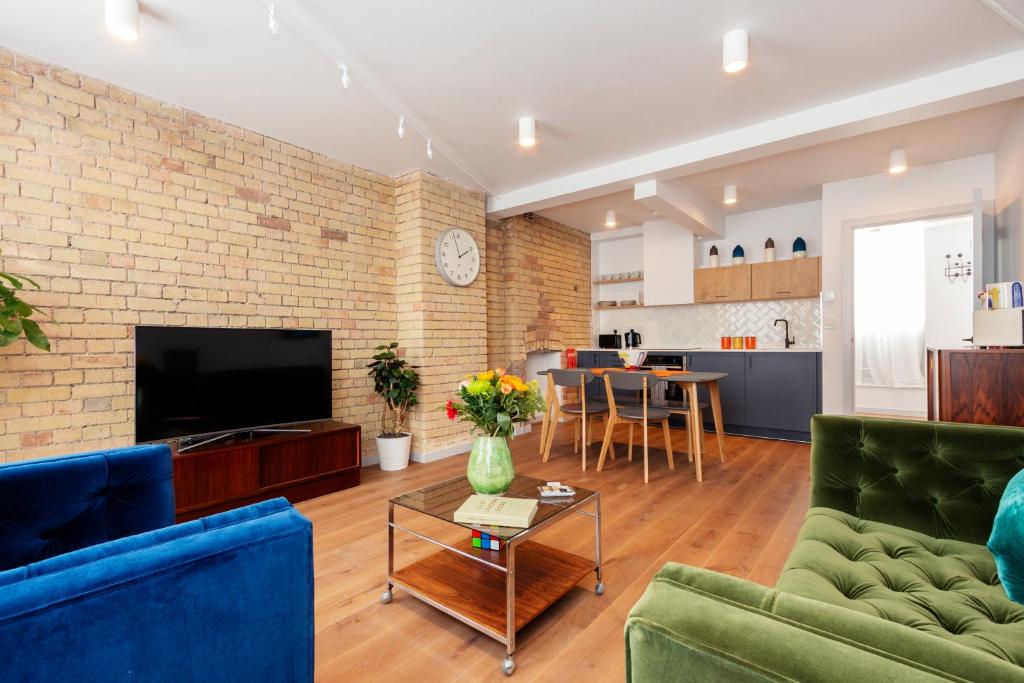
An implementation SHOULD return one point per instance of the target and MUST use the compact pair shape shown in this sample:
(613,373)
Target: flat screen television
(193,381)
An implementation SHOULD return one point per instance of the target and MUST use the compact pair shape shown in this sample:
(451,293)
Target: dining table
(690,380)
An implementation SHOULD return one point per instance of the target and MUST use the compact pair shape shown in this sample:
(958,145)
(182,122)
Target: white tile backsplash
(703,325)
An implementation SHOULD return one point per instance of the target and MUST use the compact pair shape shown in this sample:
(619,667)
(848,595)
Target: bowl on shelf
(607,304)
(628,302)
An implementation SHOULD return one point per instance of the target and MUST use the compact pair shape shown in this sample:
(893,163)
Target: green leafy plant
(16,313)
(396,382)
(494,402)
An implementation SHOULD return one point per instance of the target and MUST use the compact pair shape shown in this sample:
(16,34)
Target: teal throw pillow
(1007,539)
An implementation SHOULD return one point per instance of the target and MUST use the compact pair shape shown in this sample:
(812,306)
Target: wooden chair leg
(545,426)
(689,438)
(716,411)
(606,443)
(552,428)
(590,430)
(646,472)
(668,444)
(575,435)
(630,455)
(584,440)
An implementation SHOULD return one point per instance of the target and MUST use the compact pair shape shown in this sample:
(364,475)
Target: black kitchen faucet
(789,340)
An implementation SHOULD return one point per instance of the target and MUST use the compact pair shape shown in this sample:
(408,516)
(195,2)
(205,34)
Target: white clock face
(457,257)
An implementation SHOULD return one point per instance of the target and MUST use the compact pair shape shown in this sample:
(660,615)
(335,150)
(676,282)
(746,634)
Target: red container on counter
(750,342)
(726,342)
(570,358)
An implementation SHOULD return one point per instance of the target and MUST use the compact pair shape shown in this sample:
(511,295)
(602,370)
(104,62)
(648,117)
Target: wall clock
(457,257)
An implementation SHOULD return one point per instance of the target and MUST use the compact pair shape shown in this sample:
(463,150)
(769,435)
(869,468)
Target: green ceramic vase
(490,469)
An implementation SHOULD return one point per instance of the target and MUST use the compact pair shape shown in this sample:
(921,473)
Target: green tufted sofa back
(939,478)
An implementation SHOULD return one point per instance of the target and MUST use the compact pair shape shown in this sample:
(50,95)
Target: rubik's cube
(485,541)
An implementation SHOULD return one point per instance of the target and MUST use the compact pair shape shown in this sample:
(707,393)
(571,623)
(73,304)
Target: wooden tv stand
(250,467)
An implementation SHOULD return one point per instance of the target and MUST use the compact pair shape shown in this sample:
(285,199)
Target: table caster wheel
(508,666)
(387,596)
(599,588)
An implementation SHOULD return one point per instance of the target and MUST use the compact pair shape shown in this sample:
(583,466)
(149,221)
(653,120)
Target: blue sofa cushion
(1007,539)
(228,598)
(53,506)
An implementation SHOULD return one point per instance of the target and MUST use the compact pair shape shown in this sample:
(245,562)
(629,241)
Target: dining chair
(641,413)
(579,412)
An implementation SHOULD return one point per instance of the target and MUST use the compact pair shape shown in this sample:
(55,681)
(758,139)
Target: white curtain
(889,305)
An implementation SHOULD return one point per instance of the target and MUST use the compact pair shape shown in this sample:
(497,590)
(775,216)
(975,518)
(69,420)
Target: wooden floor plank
(743,520)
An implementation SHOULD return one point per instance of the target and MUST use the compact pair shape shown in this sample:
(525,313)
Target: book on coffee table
(497,511)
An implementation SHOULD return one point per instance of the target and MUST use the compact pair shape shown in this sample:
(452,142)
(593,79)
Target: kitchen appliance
(633,339)
(609,341)
(662,392)
(999,327)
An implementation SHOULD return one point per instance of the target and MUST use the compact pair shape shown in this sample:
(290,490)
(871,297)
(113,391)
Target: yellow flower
(485,376)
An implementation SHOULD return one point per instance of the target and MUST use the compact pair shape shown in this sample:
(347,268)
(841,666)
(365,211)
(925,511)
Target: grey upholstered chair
(579,412)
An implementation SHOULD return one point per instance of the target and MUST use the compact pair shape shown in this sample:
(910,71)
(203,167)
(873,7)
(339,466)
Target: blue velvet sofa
(97,583)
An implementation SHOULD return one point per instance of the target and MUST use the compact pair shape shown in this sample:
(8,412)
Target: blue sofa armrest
(55,505)
(224,598)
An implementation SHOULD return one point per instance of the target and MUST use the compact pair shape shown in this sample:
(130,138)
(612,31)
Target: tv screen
(200,380)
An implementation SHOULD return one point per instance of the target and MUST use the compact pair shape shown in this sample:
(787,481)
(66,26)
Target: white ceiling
(607,80)
(797,176)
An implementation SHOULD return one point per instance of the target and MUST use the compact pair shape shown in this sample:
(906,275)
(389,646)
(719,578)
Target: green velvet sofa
(890,578)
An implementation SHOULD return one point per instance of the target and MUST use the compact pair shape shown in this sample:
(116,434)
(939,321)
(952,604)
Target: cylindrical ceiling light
(527,131)
(897,161)
(734,51)
(729,195)
(609,219)
(121,18)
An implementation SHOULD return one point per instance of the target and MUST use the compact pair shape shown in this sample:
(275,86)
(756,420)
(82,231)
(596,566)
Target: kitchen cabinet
(722,284)
(667,253)
(981,386)
(599,359)
(791,279)
(732,389)
(782,391)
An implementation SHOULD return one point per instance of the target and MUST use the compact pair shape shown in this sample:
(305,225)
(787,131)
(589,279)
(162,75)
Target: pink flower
(506,388)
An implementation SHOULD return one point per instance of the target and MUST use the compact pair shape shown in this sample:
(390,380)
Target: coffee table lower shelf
(474,593)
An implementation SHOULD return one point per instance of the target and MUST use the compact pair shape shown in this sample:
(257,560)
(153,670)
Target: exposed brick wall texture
(538,289)
(131,211)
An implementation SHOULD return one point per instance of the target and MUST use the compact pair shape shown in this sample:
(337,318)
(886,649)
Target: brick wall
(538,289)
(443,328)
(130,211)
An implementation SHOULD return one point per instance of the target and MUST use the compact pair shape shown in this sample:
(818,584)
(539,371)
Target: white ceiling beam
(681,205)
(974,85)
(1012,14)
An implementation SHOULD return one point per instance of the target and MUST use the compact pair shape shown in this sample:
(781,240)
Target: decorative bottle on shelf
(738,256)
(713,257)
(769,250)
(799,248)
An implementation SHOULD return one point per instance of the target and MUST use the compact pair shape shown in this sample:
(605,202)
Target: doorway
(913,289)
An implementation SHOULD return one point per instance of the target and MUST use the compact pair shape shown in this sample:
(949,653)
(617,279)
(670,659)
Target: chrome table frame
(508,638)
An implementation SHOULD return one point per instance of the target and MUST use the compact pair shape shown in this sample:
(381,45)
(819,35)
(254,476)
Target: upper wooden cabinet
(717,285)
(791,279)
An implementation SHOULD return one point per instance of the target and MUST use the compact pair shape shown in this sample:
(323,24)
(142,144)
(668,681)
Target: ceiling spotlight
(897,161)
(401,125)
(345,80)
(121,18)
(734,51)
(609,219)
(729,195)
(430,149)
(272,23)
(527,131)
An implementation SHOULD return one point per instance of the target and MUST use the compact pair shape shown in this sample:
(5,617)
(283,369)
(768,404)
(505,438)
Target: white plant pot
(394,452)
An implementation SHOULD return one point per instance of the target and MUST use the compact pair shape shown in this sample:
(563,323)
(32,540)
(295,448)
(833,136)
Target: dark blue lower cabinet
(599,359)
(733,389)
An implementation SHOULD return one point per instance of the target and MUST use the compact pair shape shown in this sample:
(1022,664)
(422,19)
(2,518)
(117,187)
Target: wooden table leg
(716,410)
(695,429)
(545,424)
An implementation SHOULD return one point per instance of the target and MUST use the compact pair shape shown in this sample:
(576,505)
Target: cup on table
(750,342)
(737,342)
(726,342)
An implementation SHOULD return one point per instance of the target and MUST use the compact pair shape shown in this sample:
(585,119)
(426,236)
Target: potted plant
(396,382)
(493,402)
(15,313)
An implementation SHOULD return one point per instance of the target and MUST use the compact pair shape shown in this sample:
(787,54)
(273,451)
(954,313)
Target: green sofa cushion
(1007,539)
(943,587)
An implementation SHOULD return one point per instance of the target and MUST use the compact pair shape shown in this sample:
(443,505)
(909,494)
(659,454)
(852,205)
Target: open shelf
(618,281)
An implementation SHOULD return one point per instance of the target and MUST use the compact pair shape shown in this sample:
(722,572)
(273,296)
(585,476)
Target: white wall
(948,307)
(875,199)
(1009,163)
(783,224)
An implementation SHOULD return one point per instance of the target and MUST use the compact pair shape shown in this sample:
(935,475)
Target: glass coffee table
(496,592)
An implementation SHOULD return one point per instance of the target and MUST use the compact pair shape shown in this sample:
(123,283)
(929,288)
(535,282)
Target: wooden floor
(742,520)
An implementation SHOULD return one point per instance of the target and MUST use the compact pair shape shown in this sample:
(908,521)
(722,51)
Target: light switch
(828,296)
(828,323)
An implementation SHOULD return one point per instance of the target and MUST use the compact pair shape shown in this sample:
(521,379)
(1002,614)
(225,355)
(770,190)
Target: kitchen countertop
(702,349)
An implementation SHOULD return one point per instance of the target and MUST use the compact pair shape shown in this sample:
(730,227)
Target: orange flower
(506,388)
(515,382)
